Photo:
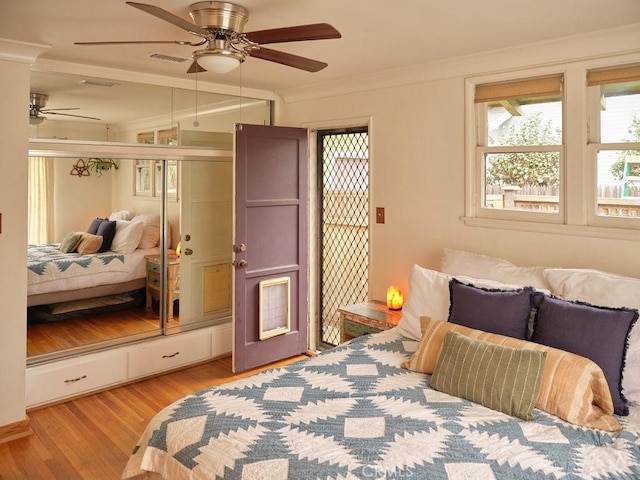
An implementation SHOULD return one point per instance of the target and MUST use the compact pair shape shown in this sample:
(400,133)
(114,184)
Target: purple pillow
(597,333)
(107,230)
(93,228)
(505,312)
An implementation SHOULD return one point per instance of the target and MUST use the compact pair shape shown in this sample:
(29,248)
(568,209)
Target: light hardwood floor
(91,437)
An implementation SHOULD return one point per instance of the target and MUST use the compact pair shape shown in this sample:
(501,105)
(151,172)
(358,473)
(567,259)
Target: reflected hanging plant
(99,165)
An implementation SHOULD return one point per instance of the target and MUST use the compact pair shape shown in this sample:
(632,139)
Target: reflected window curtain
(40,200)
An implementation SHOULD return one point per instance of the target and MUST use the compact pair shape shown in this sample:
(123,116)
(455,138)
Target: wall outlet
(379,214)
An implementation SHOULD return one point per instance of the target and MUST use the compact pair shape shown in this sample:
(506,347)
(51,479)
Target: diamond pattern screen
(343,175)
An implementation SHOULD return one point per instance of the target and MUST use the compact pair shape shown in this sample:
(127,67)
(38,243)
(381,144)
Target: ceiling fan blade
(315,31)
(51,110)
(69,115)
(170,17)
(288,59)
(196,68)
(133,42)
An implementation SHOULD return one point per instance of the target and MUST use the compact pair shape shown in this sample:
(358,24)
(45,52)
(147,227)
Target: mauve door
(271,215)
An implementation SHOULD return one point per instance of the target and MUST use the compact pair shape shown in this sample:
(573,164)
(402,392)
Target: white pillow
(456,262)
(120,215)
(127,237)
(429,296)
(606,290)
(150,231)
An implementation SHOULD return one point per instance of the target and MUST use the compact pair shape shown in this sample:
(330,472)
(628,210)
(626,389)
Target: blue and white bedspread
(46,263)
(353,413)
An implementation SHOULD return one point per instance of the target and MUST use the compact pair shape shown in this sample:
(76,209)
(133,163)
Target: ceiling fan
(37,112)
(220,27)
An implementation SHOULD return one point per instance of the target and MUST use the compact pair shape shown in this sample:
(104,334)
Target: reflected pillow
(127,237)
(597,333)
(107,230)
(70,242)
(89,244)
(95,224)
(150,231)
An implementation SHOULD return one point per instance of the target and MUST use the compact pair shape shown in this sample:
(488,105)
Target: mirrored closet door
(163,214)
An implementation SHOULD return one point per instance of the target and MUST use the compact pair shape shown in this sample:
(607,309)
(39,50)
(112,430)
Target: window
(614,144)
(519,149)
(148,174)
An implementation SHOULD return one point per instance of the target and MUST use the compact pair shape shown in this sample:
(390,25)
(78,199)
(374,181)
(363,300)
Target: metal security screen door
(343,192)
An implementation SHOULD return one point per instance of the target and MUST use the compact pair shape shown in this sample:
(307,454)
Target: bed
(107,259)
(374,407)
(55,277)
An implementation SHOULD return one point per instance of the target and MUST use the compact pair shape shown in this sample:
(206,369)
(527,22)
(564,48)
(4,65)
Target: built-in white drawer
(67,378)
(221,340)
(169,353)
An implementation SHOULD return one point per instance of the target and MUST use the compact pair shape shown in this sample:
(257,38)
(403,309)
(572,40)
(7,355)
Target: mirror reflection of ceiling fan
(220,27)
(37,112)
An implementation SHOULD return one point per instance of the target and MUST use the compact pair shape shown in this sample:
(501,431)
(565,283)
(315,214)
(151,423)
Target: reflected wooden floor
(91,437)
(48,337)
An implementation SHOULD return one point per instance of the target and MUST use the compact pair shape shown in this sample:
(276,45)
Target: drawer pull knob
(74,380)
(171,356)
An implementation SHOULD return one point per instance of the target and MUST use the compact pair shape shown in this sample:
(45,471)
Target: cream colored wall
(14,147)
(417,158)
(78,200)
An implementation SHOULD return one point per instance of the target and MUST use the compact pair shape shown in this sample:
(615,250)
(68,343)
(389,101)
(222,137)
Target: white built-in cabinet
(209,337)
(70,377)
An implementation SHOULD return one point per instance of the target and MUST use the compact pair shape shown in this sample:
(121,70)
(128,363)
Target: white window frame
(476,151)
(578,165)
(594,145)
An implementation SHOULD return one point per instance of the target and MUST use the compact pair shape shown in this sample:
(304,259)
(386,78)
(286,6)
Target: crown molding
(21,52)
(619,41)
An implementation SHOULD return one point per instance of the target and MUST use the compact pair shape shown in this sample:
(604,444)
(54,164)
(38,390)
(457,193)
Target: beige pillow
(573,387)
(502,378)
(89,244)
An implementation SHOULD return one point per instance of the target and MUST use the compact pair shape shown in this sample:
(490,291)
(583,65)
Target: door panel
(271,223)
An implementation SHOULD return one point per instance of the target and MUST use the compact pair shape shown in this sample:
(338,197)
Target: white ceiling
(376,35)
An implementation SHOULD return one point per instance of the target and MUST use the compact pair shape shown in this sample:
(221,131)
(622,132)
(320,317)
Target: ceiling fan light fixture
(218,61)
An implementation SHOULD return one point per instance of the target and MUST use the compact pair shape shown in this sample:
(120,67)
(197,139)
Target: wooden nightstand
(368,317)
(153,281)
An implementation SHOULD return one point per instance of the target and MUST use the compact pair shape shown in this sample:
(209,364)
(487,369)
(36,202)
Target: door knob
(240,248)
(242,264)
(188,251)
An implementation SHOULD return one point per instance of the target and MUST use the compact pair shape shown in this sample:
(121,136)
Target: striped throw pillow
(573,387)
(502,378)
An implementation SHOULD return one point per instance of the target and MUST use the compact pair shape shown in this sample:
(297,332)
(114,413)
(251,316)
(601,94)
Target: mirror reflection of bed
(78,296)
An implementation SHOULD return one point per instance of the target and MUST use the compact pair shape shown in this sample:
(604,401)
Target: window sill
(536,227)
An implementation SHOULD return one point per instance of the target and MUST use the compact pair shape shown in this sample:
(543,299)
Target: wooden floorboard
(91,437)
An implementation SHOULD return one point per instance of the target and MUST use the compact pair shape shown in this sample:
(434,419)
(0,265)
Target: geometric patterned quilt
(47,263)
(353,413)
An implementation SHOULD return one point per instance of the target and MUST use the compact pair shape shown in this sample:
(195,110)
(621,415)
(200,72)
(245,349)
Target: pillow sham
(107,230)
(150,231)
(93,226)
(429,295)
(502,378)
(127,237)
(89,244)
(457,262)
(120,215)
(609,290)
(70,242)
(573,388)
(597,333)
(505,312)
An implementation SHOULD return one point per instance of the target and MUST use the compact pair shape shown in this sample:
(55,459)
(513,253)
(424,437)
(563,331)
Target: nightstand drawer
(352,329)
(153,267)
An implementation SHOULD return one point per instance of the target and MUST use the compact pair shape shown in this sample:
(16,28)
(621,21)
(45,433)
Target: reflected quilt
(353,413)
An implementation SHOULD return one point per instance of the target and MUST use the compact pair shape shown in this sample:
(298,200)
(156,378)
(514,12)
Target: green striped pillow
(501,378)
